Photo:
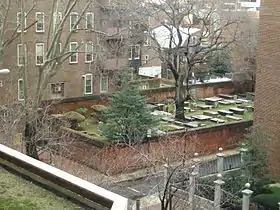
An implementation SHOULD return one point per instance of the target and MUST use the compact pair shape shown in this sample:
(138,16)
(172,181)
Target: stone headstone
(225,112)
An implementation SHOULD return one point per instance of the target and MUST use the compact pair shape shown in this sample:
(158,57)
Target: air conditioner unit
(58,89)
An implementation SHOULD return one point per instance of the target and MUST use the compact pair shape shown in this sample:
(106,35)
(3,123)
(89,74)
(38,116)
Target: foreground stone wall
(116,159)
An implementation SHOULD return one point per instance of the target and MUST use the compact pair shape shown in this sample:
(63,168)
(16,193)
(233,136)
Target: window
(39,53)
(20,90)
(103,83)
(146,59)
(146,39)
(57,18)
(73,21)
(21,54)
(74,52)
(19,21)
(89,20)
(88,52)
(57,90)
(40,21)
(134,52)
(88,84)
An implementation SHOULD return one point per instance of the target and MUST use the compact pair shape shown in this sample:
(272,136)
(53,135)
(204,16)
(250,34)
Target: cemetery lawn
(269,200)
(17,193)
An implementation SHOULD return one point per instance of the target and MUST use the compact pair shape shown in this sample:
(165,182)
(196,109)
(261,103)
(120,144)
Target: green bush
(268,201)
(98,111)
(98,108)
(82,110)
(75,118)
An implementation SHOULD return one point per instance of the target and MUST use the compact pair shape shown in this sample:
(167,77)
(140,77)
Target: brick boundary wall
(117,159)
(153,95)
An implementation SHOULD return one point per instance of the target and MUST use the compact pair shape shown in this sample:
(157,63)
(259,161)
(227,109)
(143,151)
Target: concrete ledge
(84,192)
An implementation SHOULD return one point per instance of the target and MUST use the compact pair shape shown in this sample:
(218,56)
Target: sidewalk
(96,177)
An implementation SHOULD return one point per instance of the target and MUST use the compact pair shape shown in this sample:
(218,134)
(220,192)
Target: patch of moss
(20,194)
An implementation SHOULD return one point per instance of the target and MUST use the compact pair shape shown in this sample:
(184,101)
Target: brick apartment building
(267,100)
(105,49)
(91,70)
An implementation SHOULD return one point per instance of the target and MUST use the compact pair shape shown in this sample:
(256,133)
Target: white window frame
(19,91)
(43,22)
(77,53)
(57,18)
(19,21)
(71,15)
(146,59)
(131,52)
(85,83)
(87,45)
(100,83)
(36,60)
(92,19)
(18,53)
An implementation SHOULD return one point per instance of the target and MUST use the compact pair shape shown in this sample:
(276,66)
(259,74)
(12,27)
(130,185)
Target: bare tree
(183,34)
(34,121)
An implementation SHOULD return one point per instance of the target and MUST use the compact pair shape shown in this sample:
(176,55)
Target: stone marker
(227,96)
(212,100)
(203,107)
(201,117)
(224,102)
(210,113)
(237,110)
(217,120)
(225,112)
(233,118)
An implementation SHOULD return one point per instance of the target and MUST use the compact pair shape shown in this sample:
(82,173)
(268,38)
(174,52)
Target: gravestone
(224,102)
(201,117)
(217,120)
(225,112)
(203,107)
(226,96)
(212,100)
(233,118)
(211,113)
(237,110)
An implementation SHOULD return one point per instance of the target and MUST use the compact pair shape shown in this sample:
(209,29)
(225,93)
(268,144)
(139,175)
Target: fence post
(196,162)
(138,204)
(220,161)
(192,186)
(243,152)
(246,197)
(218,192)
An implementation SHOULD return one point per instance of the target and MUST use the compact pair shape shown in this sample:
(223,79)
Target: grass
(90,127)
(270,200)
(245,116)
(17,193)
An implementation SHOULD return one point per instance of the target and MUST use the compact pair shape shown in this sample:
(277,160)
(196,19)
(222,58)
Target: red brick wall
(267,100)
(120,159)
(159,94)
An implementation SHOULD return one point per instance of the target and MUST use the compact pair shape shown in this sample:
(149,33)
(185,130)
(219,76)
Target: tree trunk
(180,98)
(30,143)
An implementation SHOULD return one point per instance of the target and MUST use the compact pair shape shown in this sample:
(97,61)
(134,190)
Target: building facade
(98,46)
(267,100)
